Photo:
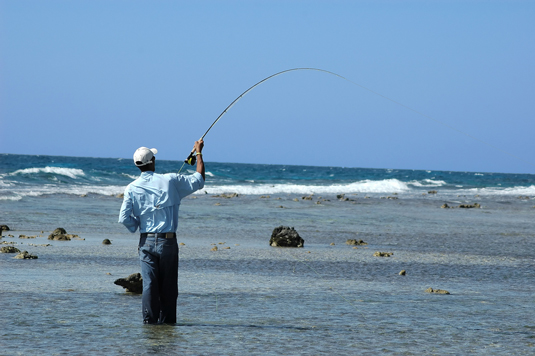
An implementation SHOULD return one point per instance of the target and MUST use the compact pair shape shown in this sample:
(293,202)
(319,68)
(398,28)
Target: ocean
(248,298)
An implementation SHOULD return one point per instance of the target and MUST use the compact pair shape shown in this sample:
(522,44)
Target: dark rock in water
(24,255)
(470,206)
(382,254)
(445,206)
(284,236)
(436,291)
(61,235)
(133,283)
(355,242)
(402,272)
(27,237)
(106,242)
(9,249)
(4,228)
(432,192)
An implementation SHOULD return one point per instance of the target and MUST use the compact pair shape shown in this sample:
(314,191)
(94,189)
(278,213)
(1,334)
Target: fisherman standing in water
(151,204)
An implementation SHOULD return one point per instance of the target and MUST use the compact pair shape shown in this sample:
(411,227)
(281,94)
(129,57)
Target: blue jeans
(159,269)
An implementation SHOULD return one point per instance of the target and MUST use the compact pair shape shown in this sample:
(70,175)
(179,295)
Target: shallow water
(255,299)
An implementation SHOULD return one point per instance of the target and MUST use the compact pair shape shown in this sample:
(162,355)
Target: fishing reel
(192,158)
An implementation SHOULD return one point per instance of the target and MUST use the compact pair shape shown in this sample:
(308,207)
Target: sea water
(249,298)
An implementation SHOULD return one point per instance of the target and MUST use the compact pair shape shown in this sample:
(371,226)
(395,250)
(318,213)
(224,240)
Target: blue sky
(101,78)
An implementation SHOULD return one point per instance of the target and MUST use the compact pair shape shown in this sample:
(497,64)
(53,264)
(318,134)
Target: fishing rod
(192,158)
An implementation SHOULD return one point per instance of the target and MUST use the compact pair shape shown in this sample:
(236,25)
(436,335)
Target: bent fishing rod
(192,158)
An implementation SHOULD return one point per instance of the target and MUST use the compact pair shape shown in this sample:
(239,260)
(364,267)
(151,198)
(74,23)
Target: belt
(165,235)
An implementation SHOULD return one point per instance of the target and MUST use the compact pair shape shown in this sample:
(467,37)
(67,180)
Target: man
(151,204)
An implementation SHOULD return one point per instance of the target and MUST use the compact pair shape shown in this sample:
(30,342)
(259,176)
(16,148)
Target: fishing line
(191,158)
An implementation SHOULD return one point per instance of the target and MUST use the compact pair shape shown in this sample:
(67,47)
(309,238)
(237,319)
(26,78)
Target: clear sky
(101,78)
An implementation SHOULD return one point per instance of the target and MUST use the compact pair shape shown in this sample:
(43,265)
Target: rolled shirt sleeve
(189,184)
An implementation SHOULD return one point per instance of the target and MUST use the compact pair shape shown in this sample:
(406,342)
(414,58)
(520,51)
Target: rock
(340,196)
(133,283)
(445,206)
(402,272)
(24,255)
(120,195)
(470,206)
(106,242)
(226,196)
(382,254)
(295,199)
(265,196)
(27,237)
(437,291)
(355,242)
(307,198)
(9,249)
(61,235)
(4,228)
(432,192)
(182,244)
(214,248)
(284,236)
(333,244)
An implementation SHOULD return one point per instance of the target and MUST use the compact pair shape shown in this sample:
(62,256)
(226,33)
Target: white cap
(143,156)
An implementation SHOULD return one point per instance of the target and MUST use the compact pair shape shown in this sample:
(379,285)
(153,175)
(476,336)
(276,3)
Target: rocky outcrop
(4,228)
(133,283)
(382,254)
(226,196)
(284,236)
(9,249)
(24,255)
(436,291)
(355,242)
(470,206)
(60,234)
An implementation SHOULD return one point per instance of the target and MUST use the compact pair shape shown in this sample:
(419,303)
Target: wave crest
(69,172)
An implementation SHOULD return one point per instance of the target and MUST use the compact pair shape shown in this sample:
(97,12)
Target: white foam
(366,186)
(530,191)
(49,189)
(69,172)
(428,183)
(209,174)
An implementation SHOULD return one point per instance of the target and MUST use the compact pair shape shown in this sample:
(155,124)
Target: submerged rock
(355,242)
(24,255)
(284,236)
(106,242)
(27,237)
(133,283)
(9,249)
(445,206)
(437,291)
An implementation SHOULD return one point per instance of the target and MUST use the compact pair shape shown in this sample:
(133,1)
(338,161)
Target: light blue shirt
(151,202)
